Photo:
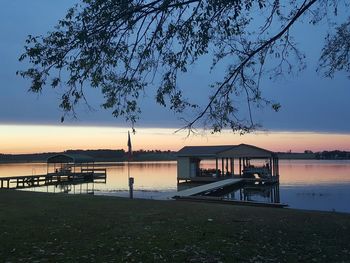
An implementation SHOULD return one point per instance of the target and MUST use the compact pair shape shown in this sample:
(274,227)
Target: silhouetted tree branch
(336,53)
(127,47)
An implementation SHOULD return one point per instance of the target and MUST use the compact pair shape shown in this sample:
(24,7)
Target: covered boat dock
(230,161)
(69,164)
(74,167)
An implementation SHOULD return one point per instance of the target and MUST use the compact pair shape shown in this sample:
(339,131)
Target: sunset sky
(315,111)
(45,138)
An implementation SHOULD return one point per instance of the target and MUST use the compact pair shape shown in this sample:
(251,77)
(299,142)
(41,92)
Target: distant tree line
(102,155)
(333,155)
(329,155)
(120,155)
(308,154)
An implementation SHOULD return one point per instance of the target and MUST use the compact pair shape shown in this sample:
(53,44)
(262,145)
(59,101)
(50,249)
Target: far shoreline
(293,157)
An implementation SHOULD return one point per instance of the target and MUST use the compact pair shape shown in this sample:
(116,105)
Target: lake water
(304,184)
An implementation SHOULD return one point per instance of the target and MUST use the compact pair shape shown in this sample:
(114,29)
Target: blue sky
(309,101)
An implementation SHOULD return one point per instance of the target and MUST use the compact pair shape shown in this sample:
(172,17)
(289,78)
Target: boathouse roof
(203,150)
(222,151)
(70,158)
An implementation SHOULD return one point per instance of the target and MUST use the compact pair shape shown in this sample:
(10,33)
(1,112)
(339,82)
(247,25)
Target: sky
(314,113)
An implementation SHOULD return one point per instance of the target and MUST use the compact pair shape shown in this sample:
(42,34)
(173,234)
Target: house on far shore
(213,163)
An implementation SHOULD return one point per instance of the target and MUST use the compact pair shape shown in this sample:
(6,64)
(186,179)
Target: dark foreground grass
(38,227)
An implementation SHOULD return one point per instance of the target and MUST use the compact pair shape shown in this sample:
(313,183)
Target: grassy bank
(37,227)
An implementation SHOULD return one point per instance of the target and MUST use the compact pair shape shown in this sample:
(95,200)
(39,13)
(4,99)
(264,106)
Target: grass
(37,227)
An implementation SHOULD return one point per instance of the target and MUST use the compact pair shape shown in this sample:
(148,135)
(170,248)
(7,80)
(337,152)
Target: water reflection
(333,197)
(314,172)
(87,187)
(149,176)
(161,176)
(266,193)
(153,176)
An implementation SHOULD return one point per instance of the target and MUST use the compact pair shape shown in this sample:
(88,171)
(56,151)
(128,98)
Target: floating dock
(207,187)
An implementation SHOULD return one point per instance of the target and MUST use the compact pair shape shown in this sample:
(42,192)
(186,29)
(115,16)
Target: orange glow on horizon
(40,138)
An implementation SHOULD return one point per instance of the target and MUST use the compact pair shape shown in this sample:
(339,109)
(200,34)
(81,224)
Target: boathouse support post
(222,166)
(271,166)
(227,170)
(240,166)
(275,167)
(272,195)
(276,193)
(217,167)
(231,167)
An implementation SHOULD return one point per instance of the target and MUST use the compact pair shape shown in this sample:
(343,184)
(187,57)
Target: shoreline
(144,195)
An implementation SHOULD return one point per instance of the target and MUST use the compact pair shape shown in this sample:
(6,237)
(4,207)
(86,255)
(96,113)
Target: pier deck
(207,187)
(28,181)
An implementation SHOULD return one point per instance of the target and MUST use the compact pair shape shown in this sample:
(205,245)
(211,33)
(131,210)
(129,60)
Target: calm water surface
(304,184)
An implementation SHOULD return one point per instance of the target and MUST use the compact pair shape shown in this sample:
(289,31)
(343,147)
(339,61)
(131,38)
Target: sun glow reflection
(41,138)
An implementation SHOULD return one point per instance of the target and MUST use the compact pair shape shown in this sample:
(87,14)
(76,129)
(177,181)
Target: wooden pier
(62,169)
(29,181)
(207,187)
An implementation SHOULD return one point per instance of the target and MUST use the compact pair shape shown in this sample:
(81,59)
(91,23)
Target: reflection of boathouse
(231,161)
